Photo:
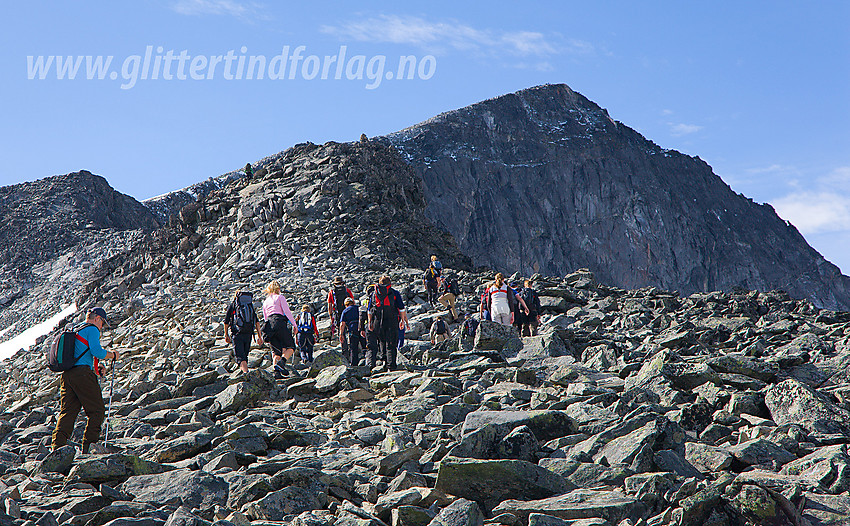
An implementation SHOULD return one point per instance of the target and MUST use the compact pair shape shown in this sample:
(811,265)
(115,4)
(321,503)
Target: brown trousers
(79,390)
(448,301)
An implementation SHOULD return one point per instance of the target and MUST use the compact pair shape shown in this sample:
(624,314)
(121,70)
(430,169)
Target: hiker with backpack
(278,328)
(348,331)
(519,314)
(436,264)
(368,340)
(403,327)
(386,314)
(240,322)
(431,280)
(503,302)
(439,330)
(468,327)
(336,303)
(449,292)
(483,309)
(532,320)
(307,334)
(78,385)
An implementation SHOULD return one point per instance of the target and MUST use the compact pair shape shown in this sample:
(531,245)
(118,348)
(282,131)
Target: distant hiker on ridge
(449,291)
(532,301)
(336,304)
(348,331)
(502,301)
(439,330)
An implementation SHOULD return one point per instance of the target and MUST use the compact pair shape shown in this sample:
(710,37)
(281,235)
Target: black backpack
(384,312)
(470,325)
(339,294)
(451,286)
(243,313)
(529,296)
(61,354)
(441,327)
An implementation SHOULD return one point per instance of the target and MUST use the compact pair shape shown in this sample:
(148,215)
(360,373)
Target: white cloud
(678,130)
(823,207)
(815,212)
(437,36)
(528,43)
(772,169)
(217,7)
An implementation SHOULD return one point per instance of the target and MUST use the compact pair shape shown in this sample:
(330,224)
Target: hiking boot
(280,371)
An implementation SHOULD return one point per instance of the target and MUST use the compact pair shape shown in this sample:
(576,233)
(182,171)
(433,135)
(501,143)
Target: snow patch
(27,338)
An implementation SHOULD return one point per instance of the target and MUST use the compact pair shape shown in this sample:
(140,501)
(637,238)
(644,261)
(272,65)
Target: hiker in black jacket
(532,319)
(241,320)
(431,280)
(386,315)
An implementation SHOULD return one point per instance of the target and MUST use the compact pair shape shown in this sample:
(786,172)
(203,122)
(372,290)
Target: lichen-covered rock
(792,402)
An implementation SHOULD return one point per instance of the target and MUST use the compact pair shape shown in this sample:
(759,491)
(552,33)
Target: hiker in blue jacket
(78,386)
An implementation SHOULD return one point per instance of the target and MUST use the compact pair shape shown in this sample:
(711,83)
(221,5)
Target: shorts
(278,334)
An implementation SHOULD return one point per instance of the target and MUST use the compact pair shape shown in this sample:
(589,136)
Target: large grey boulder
(247,390)
(657,434)
(492,336)
(760,451)
(489,482)
(184,517)
(106,468)
(545,425)
(278,504)
(185,446)
(461,512)
(612,506)
(194,489)
(58,461)
(189,383)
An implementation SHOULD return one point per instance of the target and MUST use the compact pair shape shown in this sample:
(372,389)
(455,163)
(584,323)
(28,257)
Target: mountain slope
(54,231)
(544,180)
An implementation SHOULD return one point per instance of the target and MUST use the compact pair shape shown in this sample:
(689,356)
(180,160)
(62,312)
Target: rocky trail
(631,407)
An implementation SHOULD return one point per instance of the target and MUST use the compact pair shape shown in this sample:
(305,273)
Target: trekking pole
(109,411)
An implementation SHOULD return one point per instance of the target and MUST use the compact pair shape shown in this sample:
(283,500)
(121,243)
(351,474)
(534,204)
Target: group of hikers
(379,331)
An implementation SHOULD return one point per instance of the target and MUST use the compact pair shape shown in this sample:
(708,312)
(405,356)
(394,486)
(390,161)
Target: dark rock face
(543,180)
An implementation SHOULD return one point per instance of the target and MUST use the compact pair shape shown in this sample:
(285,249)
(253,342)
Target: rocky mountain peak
(54,231)
(44,217)
(548,177)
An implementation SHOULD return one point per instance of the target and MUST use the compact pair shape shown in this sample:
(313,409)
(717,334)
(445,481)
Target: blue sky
(757,89)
